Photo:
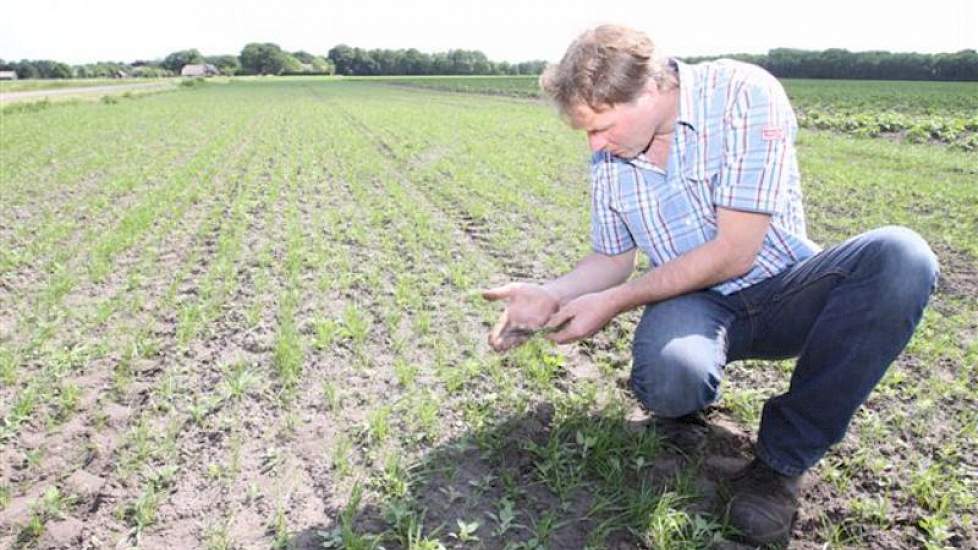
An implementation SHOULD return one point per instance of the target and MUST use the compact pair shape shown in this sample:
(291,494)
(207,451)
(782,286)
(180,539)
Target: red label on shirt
(772,133)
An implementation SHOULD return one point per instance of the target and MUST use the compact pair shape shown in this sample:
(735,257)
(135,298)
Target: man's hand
(582,317)
(528,308)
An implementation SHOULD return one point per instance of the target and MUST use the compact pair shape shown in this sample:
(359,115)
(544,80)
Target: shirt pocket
(699,180)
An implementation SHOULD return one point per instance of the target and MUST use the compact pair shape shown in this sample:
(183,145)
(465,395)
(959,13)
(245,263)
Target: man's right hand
(528,308)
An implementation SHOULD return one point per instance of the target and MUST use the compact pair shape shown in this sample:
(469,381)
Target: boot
(686,434)
(764,503)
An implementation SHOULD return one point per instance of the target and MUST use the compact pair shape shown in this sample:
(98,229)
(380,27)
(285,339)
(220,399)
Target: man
(695,165)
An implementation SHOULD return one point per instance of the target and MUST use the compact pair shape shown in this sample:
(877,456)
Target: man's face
(624,130)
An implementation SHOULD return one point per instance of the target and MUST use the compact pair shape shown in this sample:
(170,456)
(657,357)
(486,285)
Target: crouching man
(695,166)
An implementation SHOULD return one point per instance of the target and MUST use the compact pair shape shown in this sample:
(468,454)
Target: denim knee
(908,265)
(675,379)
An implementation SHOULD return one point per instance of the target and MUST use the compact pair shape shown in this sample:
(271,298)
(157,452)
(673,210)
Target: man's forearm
(700,268)
(594,273)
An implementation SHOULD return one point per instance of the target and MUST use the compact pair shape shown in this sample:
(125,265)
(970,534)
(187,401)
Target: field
(246,315)
(918,112)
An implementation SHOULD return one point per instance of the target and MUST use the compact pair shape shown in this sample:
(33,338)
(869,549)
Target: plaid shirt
(733,148)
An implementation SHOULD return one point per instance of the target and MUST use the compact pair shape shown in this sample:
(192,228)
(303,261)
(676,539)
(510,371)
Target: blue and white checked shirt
(733,148)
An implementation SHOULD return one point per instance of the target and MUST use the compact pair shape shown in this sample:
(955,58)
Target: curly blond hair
(605,66)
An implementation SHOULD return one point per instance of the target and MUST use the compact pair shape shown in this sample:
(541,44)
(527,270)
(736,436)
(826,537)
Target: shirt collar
(688,87)
(641,161)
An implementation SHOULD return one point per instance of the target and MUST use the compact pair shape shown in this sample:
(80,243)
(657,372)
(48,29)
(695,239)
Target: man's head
(611,84)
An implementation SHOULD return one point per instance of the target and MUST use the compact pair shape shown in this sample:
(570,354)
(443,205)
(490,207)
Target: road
(40,94)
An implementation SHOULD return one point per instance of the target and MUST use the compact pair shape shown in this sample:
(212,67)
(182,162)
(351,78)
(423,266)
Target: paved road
(38,94)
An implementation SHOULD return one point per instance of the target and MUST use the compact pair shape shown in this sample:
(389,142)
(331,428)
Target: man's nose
(596,142)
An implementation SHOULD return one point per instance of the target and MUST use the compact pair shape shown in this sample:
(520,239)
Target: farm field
(918,112)
(259,326)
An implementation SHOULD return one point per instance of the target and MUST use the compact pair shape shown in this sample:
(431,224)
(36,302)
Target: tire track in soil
(94,444)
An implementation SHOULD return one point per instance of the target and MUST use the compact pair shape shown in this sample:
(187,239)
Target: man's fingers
(559,318)
(512,340)
(563,336)
(507,340)
(496,336)
(498,293)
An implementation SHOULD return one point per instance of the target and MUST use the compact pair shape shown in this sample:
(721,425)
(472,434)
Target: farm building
(201,69)
(8,75)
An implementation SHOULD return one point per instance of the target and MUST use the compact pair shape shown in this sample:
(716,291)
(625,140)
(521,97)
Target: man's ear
(651,89)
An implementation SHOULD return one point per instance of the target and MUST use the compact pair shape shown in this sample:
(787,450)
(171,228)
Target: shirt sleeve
(609,233)
(758,147)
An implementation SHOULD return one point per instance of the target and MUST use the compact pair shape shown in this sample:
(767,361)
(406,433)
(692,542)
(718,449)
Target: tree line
(269,58)
(259,58)
(872,65)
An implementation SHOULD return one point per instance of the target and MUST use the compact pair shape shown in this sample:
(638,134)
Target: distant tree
(266,58)
(358,61)
(441,63)
(292,65)
(962,65)
(111,69)
(176,60)
(313,63)
(321,65)
(303,56)
(415,62)
(364,63)
(530,67)
(42,68)
(149,71)
(26,69)
(388,61)
(227,64)
(342,57)
(877,65)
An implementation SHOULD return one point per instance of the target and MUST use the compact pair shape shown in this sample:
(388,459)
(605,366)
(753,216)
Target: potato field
(247,315)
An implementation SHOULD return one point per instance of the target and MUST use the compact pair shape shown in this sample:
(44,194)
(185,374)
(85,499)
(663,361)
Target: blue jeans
(846,313)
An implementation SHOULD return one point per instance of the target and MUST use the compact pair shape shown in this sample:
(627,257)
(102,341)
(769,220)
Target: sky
(505,30)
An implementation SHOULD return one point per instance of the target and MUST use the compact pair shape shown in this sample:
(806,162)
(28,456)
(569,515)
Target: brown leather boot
(764,503)
(686,433)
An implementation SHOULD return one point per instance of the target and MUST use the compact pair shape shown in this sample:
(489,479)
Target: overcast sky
(506,30)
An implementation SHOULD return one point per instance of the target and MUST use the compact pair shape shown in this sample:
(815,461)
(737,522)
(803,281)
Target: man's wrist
(553,293)
(619,298)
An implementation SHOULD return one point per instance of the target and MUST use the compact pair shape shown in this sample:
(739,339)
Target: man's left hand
(581,317)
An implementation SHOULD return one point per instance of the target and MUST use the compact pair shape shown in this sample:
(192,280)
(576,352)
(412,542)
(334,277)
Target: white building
(201,69)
